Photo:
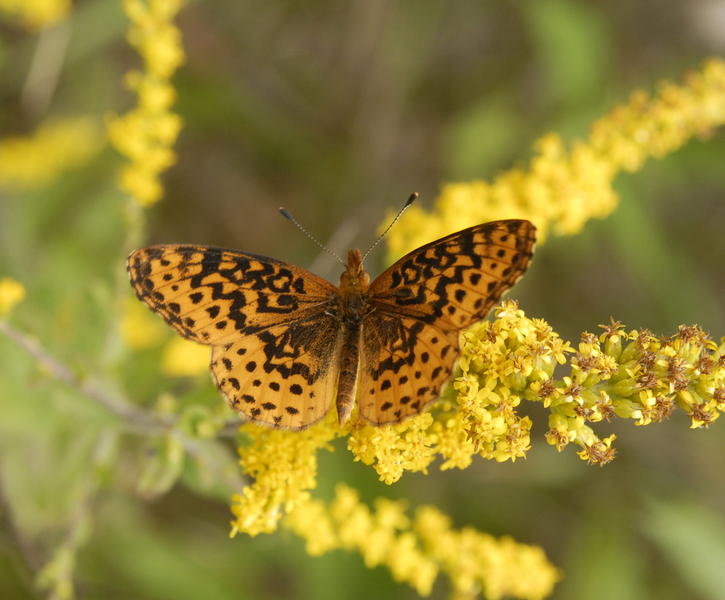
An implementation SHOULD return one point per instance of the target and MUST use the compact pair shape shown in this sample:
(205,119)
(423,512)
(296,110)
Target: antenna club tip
(285,212)
(412,198)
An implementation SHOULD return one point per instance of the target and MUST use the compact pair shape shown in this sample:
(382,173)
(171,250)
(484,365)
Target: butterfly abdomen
(349,369)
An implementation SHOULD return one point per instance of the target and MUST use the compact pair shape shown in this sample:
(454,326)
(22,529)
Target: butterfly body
(286,343)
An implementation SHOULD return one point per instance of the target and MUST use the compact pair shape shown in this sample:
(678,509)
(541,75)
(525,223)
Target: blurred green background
(338,111)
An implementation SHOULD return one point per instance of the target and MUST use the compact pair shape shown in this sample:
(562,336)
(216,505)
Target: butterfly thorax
(354,284)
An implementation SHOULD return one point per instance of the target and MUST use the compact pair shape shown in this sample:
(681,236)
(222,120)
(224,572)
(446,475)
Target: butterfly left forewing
(433,293)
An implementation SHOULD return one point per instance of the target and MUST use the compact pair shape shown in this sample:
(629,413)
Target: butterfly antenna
(413,196)
(285,213)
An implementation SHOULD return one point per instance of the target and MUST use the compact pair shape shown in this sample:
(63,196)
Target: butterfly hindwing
(216,296)
(404,364)
(410,340)
(282,376)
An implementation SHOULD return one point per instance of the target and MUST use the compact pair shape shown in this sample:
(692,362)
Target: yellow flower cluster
(499,362)
(36,14)
(11,292)
(402,447)
(562,190)
(146,134)
(636,376)
(57,145)
(416,550)
(284,467)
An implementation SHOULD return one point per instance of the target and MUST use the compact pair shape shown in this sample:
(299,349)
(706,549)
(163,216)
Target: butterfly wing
(419,305)
(275,347)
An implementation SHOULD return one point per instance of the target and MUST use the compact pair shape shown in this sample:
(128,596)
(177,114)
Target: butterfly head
(354,278)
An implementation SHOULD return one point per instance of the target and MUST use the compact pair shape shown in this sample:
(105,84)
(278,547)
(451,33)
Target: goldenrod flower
(147,134)
(284,467)
(417,550)
(512,359)
(393,449)
(563,188)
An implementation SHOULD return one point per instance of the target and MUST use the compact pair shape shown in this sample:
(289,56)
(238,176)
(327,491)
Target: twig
(137,418)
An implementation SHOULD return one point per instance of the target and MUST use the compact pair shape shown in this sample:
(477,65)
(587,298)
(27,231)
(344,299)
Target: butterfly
(286,343)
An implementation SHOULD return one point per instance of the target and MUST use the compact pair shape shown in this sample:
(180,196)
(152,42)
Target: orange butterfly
(286,343)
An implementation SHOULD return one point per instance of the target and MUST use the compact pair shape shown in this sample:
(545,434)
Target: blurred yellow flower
(140,328)
(183,358)
(417,550)
(11,292)
(56,146)
(36,14)
(146,134)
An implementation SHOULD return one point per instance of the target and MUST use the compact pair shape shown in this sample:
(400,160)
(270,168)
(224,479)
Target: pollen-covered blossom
(633,375)
(500,362)
(416,550)
(392,450)
(503,363)
(563,188)
(147,134)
